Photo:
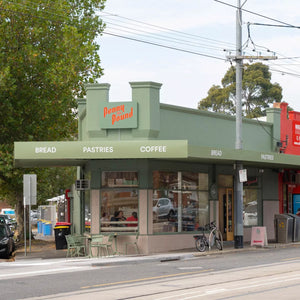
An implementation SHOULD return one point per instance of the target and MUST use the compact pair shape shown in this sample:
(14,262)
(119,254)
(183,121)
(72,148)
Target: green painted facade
(162,137)
(188,134)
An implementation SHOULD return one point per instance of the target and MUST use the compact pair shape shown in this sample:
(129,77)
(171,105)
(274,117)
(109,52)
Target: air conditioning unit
(82,185)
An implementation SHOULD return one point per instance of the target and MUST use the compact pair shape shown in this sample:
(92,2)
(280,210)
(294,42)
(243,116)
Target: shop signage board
(102,150)
(296,133)
(259,236)
(116,115)
(75,152)
(29,189)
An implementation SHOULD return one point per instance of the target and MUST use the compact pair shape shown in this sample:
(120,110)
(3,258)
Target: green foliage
(48,54)
(257,92)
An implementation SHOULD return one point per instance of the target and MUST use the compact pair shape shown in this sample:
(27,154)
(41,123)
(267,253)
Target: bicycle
(214,238)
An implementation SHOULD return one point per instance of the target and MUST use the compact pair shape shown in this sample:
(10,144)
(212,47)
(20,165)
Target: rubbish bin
(61,229)
(284,228)
(39,226)
(47,228)
(296,227)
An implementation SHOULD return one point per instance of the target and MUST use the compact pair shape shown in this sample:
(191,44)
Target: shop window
(165,180)
(250,196)
(87,211)
(119,179)
(178,203)
(119,202)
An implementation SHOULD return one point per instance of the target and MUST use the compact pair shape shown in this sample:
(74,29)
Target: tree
(257,92)
(48,54)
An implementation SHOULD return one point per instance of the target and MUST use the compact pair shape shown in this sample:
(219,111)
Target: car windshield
(2,232)
(155,202)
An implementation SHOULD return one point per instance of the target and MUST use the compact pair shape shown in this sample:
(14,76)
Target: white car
(163,208)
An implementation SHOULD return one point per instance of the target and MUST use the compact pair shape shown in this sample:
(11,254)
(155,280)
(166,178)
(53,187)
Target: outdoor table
(116,244)
(89,241)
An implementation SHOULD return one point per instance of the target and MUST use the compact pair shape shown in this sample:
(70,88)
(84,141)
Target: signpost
(29,193)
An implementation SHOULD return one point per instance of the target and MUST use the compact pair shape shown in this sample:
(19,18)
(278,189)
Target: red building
(289,180)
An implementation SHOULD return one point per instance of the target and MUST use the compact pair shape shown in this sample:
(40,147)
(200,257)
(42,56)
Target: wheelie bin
(284,228)
(296,227)
(61,229)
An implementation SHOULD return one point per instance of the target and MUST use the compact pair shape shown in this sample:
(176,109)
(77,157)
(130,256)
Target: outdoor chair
(134,244)
(75,245)
(71,246)
(108,245)
(97,241)
(80,244)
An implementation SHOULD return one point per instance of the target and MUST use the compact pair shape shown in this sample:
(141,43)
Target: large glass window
(119,179)
(250,196)
(180,201)
(87,211)
(119,206)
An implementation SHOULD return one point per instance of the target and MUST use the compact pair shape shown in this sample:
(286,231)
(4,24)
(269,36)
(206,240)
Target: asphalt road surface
(262,273)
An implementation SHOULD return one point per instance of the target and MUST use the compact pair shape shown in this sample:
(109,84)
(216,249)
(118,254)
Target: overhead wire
(258,48)
(166,29)
(155,35)
(165,46)
(158,35)
(140,35)
(254,13)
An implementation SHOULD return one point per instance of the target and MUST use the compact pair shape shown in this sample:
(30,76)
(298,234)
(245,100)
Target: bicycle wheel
(200,244)
(219,240)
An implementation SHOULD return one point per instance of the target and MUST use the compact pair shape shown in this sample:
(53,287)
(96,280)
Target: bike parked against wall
(214,237)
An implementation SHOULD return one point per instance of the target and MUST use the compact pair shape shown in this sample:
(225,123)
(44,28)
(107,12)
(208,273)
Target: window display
(119,206)
(179,204)
(250,196)
(250,207)
(119,179)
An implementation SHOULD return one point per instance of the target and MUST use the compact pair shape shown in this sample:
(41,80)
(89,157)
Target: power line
(162,37)
(273,25)
(254,13)
(169,35)
(171,30)
(164,46)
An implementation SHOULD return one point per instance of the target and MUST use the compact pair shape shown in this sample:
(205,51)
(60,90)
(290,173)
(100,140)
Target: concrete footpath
(47,250)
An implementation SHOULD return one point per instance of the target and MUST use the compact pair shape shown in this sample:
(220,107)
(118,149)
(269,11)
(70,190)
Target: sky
(205,31)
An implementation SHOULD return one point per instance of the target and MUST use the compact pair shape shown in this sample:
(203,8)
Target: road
(264,273)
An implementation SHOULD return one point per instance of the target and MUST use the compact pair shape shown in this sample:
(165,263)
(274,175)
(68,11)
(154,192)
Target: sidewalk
(45,249)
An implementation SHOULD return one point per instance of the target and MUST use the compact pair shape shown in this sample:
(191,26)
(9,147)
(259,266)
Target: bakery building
(172,167)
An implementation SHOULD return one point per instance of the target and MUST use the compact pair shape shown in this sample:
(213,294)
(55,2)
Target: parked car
(163,208)
(7,220)
(250,214)
(7,243)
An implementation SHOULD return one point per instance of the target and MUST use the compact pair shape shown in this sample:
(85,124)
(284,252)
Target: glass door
(228,214)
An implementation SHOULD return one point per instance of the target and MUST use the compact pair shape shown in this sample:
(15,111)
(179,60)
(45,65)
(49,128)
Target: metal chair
(72,249)
(75,245)
(134,243)
(97,241)
(108,245)
(79,241)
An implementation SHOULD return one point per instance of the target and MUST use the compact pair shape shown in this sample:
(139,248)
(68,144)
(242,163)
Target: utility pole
(238,195)
(238,166)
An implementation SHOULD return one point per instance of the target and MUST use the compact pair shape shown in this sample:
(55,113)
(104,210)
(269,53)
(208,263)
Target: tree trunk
(20,217)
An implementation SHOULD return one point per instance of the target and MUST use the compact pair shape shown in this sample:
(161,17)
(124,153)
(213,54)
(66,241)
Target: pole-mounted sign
(29,189)
(29,193)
